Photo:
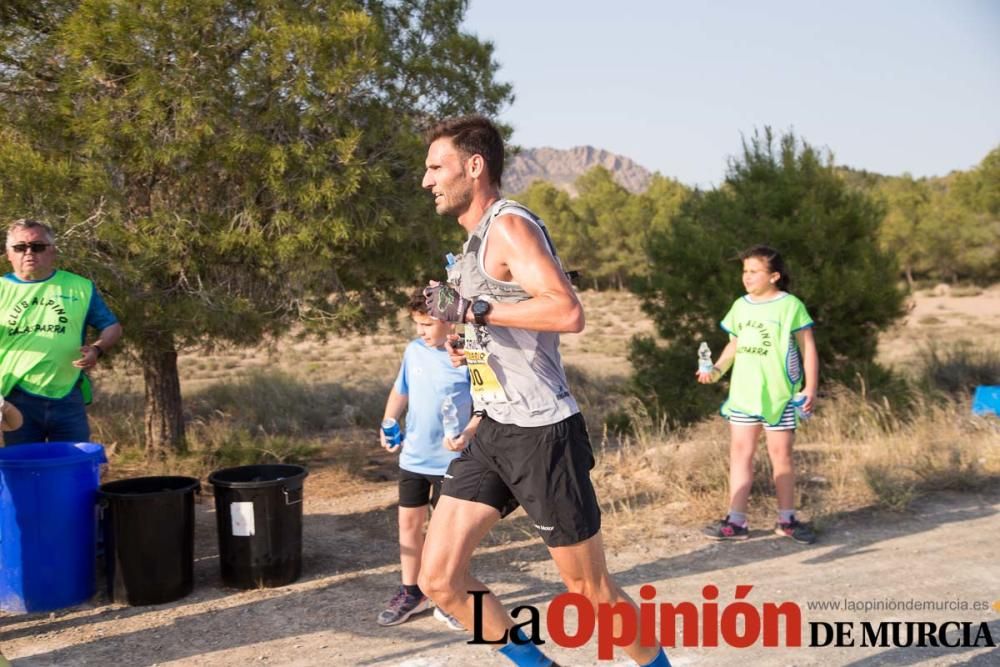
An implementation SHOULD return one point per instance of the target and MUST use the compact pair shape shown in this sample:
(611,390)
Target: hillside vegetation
(937,229)
(315,403)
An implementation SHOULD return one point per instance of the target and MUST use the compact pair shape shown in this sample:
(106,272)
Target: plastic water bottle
(449,418)
(393,436)
(704,358)
(799,401)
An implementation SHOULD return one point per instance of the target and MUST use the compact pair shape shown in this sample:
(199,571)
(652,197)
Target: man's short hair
(418,302)
(473,135)
(28,223)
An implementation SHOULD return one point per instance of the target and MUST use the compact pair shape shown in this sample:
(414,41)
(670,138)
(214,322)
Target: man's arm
(517,248)
(463,439)
(108,337)
(89,354)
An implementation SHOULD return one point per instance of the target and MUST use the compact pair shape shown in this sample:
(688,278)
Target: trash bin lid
(46,454)
(145,486)
(257,476)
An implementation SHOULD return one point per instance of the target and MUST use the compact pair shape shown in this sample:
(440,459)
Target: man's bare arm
(518,246)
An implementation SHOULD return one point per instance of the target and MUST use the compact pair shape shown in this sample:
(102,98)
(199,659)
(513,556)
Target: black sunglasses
(35,247)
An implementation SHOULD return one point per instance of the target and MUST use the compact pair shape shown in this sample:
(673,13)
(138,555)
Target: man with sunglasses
(43,349)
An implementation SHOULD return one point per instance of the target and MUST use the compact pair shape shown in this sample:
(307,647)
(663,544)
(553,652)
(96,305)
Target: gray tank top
(527,363)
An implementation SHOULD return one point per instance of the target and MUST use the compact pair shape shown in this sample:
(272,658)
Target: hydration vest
(526,363)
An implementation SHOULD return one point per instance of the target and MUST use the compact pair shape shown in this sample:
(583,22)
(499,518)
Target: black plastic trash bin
(148,525)
(259,517)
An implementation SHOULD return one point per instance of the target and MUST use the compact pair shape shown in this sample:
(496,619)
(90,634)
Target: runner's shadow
(287,614)
(343,603)
(343,547)
(350,569)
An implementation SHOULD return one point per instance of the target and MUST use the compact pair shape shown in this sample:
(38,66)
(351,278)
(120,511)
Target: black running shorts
(545,469)
(415,489)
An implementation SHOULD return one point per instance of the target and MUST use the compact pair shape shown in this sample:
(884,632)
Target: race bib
(486,386)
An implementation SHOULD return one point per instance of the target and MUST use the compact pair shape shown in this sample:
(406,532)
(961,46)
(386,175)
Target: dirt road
(943,551)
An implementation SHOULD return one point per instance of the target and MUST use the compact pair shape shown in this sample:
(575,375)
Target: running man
(532,448)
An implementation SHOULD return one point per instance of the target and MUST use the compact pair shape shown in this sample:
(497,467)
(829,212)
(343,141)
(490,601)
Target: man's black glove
(445,303)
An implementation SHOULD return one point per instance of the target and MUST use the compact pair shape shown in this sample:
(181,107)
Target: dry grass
(851,454)
(320,402)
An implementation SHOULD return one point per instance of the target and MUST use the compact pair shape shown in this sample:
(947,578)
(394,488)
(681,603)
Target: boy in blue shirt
(426,377)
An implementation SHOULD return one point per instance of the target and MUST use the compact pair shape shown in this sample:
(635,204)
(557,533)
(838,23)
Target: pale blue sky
(888,86)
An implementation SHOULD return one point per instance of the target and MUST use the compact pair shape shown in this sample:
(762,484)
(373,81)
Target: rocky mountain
(563,167)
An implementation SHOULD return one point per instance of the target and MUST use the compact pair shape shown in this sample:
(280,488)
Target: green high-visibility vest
(41,333)
(767,369)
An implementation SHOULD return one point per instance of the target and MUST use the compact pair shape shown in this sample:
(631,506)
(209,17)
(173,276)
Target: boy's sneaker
(402,606)
(795,529)
(726,530)
(449,620)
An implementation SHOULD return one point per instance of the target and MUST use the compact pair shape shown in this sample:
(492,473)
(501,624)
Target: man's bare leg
(585,571)
(456,529)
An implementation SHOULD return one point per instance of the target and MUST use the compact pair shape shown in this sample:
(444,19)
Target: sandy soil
(942,551)
(935,320)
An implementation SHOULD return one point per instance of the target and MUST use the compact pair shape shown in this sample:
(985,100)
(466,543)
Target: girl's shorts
(786,423)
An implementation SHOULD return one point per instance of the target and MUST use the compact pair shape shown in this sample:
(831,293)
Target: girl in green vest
(771,347)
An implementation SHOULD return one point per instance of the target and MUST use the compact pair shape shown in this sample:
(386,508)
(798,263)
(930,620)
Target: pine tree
(226,170)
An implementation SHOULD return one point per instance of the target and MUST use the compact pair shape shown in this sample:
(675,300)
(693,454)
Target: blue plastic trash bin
(986,400)
(47,520)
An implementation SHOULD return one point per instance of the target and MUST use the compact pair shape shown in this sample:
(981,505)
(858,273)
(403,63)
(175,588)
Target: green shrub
(788,196)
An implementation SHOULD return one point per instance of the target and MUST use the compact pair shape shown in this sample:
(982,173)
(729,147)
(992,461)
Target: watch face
(480,307)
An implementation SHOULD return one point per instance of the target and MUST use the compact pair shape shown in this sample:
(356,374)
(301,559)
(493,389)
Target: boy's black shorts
(415,488)
(545,469)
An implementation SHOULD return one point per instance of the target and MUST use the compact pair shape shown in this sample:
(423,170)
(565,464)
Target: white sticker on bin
(242,516)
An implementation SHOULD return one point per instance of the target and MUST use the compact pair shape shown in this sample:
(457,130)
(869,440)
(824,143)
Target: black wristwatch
(480,309)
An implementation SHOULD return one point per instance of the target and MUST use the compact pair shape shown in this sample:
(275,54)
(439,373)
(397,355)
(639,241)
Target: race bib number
(486,386)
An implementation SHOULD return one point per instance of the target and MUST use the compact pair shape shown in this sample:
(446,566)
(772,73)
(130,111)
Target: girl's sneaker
(726,530)
(402,606)
(795,529)
(449,620)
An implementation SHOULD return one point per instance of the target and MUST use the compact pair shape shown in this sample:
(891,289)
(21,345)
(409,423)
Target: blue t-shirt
(425,377)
